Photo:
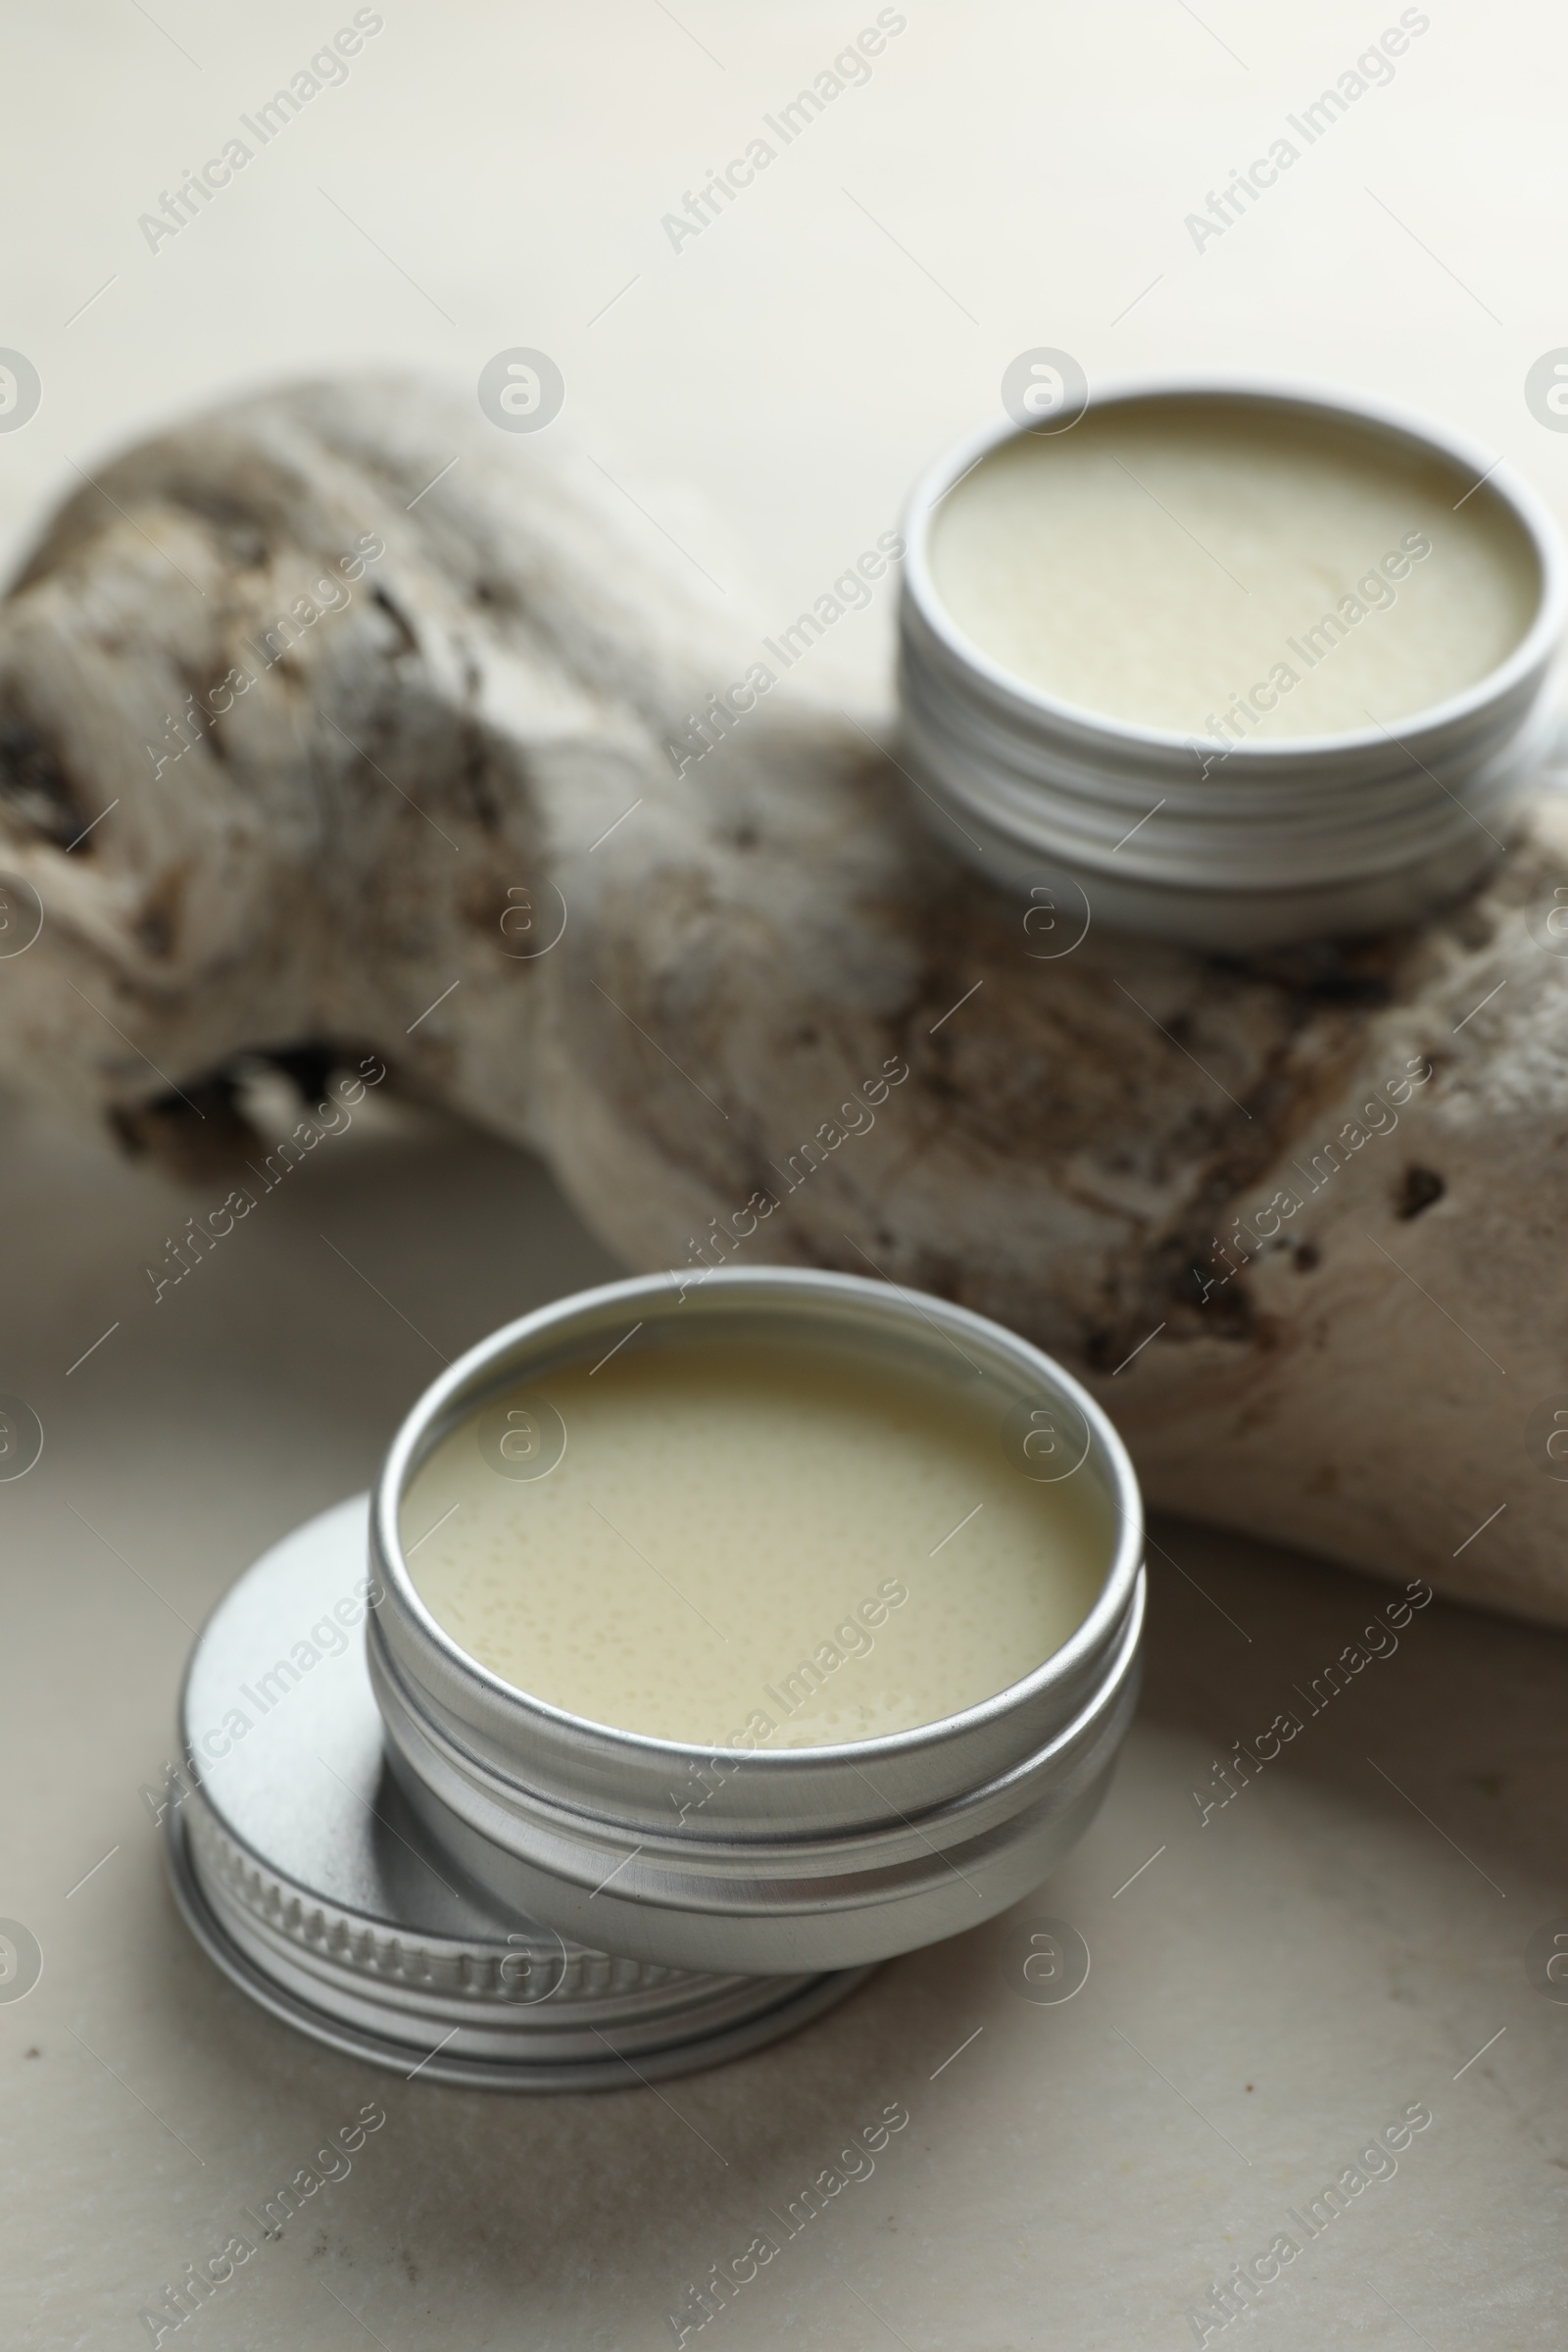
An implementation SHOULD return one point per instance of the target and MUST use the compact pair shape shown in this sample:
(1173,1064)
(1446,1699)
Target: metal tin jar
(422,1859)
(1282,838)
(804,1858)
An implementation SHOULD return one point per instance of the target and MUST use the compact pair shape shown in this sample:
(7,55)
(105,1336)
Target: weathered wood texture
(416,788)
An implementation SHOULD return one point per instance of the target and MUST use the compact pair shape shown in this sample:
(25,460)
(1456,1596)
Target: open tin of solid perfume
(410,1855)
(1229,663)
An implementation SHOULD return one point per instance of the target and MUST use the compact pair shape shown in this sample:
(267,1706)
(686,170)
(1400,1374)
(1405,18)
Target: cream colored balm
(1233,569)
(728,1544)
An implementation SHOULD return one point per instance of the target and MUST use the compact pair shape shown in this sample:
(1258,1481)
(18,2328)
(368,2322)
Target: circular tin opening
(497,1417)
(747,1856)
(1195,419)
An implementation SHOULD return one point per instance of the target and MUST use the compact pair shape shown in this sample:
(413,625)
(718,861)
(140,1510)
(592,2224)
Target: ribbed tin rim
(694,2044)
(1074,722)
(823,1866)
(1243,836)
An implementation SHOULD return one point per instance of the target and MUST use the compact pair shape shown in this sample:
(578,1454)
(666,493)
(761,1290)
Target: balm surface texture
(1167,561)
(777,1543)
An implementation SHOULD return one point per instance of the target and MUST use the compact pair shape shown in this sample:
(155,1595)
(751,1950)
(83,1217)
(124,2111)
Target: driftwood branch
(300,762)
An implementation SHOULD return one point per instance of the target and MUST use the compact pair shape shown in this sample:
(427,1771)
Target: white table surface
(1273,1988)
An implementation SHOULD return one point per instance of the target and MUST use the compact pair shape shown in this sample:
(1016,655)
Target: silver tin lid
(801,1858)
(311,1882)
(1269,840)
